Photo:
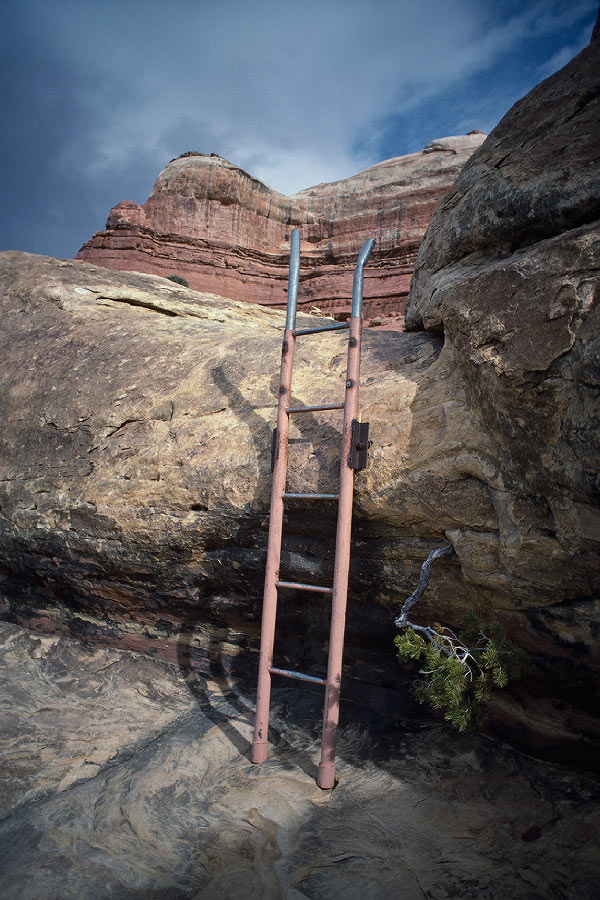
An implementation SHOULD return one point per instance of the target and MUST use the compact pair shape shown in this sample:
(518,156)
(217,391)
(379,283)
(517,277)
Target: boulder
(136,473)
(227,232)
(508,274)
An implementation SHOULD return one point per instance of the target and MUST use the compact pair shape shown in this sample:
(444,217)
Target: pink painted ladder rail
(353,456)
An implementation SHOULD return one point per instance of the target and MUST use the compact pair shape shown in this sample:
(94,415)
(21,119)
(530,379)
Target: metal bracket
(273,446)
(359,445)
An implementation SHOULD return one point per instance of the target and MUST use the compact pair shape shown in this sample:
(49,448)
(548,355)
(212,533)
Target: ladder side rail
(359,277)
(260,745)
(293,281)
(331,709)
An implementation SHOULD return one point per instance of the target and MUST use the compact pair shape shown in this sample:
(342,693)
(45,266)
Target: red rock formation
(227,233)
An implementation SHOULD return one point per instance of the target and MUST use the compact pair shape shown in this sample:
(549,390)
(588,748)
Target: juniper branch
(402,620)
(463,669)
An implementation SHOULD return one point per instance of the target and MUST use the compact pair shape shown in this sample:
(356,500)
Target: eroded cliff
(227,232)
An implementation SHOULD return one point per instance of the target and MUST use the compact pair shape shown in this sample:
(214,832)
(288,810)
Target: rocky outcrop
(124,778)
(508,272)
(228,233)
(136,475)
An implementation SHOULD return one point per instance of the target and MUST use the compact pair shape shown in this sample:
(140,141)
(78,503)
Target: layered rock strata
(228,233)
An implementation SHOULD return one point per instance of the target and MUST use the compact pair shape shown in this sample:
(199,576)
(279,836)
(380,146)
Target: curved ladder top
(357,287)
(293,277)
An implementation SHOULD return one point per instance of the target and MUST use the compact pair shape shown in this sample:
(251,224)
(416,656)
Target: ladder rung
(336,327)
(354,446)
(287,673)
(292,496)
(296,586)
(300,409)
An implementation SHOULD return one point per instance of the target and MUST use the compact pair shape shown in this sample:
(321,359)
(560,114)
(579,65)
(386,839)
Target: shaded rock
(136,458)
(508,272)
(185,815)
(228,233)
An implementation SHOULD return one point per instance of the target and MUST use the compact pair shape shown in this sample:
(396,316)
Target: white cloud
(287,89)
(283,89)
(295,91)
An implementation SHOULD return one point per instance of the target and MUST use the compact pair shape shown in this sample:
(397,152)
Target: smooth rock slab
(135,483)
(68,712)
(178,811)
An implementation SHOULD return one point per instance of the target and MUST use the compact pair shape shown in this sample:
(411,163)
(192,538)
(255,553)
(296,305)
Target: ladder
(353,456)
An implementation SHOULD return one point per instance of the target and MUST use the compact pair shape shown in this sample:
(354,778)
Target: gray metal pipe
(292,299)
(357,287)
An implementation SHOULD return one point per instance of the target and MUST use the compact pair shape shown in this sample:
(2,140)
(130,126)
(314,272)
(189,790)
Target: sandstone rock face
(228,233)
(509,272)
(171,807)
(135,450)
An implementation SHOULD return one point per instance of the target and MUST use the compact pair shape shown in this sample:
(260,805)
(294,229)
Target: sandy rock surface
(168,806)
(136,478)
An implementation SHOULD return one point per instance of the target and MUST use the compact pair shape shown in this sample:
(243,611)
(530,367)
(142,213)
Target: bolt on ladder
(354,447)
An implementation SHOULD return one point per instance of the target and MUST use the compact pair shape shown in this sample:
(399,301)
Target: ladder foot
(259,752)
(326,776)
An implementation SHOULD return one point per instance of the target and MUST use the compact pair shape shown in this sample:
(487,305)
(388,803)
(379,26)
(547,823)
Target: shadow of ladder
(353,456)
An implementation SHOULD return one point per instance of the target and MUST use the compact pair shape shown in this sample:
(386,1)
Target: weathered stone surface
(228,233)
(509,272)
(68,712)
(536,176)
(175,810)
(136,474)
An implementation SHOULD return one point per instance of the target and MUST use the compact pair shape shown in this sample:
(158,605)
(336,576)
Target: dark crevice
(120,427)
(130,301)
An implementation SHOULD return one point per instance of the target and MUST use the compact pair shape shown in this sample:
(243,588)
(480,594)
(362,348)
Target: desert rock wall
(228,233)
(136,481)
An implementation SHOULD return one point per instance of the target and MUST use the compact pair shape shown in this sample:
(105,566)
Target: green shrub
(178,280)
(460,671)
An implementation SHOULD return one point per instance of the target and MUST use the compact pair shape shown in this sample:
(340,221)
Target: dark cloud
(96,98)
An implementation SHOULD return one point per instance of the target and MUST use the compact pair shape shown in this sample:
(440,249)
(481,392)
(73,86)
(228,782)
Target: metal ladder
(354,450)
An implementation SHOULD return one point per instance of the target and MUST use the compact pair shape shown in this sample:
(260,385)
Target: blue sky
(97,96)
